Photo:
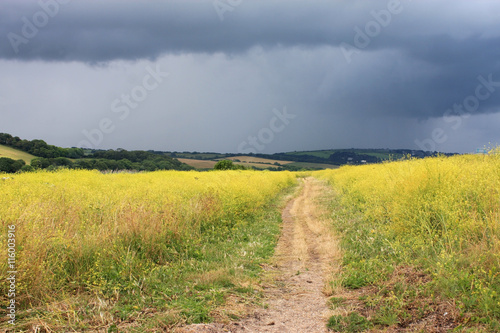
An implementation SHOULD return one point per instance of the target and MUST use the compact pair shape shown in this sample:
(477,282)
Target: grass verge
(420,242)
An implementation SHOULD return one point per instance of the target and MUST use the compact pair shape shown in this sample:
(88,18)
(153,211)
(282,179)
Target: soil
(296,286)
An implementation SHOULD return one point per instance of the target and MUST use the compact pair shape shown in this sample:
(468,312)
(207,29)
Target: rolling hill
(15,154)
(315,159)
(245,161)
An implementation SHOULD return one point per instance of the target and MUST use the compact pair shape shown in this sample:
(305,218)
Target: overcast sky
(251,75)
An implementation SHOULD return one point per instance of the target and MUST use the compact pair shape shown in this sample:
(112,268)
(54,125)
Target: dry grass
(423,313)
(439,217)
(209,164)
(15,154)
(93,249)
(198,164)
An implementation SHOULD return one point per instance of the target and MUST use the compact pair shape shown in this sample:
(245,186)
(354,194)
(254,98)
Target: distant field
(259,163)
(208,164)
(251,159)
(15,154)
(198,164)
(313,165)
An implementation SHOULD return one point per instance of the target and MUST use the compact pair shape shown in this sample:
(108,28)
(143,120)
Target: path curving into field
(295,287)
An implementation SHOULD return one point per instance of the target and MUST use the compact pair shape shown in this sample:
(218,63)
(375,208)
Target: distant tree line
(230,165)
(347,157)
(337,158)
(195,155)
(39,147)
(106,164)
(53,157)
(10,166)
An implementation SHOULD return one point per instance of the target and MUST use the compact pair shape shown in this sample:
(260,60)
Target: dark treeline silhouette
(53,157)
(39,147)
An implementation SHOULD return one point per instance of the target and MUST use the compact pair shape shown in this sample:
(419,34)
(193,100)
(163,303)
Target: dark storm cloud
(99,31)
(405,83)
(93,31)
(452,38)
(333,62)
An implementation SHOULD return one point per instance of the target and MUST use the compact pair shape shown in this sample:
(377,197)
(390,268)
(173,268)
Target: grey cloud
(264,54)
(97,31)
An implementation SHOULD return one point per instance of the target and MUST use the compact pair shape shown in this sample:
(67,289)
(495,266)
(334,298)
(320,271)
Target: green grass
(397,293)
(420,241)
(200,275)
(353,322)
(15,154)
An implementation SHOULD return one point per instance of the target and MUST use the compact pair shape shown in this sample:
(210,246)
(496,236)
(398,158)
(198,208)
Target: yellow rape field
(87,232)
(439,215)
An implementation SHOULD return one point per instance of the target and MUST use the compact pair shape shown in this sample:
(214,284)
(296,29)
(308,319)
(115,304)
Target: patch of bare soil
(296,286)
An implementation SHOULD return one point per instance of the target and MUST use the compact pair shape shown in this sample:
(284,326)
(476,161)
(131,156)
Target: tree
(229,165)
(62,161)
(82,164)
(27,168)
(75,153)
(10,166)
(101,165)
(149,166)
(224,165)
(40,163)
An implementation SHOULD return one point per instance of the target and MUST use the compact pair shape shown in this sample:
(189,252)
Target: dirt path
(296,286)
